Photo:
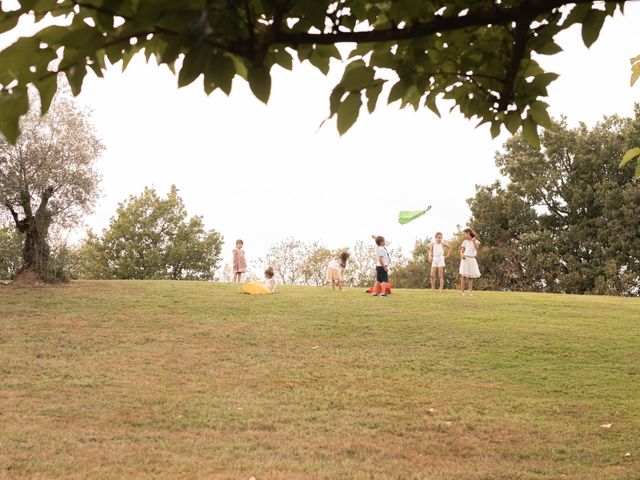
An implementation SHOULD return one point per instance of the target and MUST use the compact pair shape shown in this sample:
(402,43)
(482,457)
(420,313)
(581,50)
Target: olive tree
(48,177)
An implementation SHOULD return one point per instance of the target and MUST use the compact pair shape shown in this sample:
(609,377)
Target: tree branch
(498,16)
(521,35)
(14,214)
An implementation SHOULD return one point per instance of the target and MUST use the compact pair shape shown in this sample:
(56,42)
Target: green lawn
(107,380)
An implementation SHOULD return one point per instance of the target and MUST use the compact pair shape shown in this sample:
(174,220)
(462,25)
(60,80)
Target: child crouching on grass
(262,287)
(468,263)
(335,270)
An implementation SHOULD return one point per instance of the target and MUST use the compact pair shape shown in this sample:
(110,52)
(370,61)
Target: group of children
(438,252)
(257,287)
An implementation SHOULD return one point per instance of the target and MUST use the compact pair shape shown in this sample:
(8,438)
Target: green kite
(407,216)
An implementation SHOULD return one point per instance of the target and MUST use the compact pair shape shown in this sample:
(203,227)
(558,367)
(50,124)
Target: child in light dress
(436,257)
(262,287)
(239,262)
(335,270)
(468,263)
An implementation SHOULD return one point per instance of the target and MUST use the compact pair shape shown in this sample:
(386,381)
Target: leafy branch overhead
(633,153)
(479,55)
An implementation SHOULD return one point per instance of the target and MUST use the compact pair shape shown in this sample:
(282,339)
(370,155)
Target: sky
(264,173)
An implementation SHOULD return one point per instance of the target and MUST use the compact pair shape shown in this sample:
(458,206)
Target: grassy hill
(108,380)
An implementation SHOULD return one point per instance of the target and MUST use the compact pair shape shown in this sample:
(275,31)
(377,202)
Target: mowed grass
(105,380)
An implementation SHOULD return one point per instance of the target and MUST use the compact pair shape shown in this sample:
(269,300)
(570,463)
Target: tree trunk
(35,253)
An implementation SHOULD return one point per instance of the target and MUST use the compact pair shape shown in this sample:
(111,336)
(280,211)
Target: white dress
(438,255)
(270,283)
(334,271)
(469,265)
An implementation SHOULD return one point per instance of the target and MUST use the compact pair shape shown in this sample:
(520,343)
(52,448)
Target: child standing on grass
(468,263)
(436,257)
(239,262)
(335,270)
(382,266)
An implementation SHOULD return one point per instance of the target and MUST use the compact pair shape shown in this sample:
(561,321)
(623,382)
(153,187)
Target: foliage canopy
(569,218)
(480,55)
(151,237)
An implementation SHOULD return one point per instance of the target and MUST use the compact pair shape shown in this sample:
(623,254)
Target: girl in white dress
(468,263)
(436,257)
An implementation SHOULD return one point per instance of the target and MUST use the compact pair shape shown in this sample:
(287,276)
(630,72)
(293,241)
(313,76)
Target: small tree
(49,177)
(287,260)
(10,251)
(316,259)
(151,238)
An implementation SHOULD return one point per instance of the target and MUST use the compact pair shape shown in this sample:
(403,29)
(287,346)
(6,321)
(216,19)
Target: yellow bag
(256,288)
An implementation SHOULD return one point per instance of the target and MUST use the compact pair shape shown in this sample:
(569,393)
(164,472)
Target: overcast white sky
(263,173)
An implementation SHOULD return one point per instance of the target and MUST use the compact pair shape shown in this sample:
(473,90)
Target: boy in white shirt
(382,266)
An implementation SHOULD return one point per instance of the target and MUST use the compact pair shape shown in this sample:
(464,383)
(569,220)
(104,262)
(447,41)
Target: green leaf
(348,112)
(320,62)
(630,155)
(260,83)
(9,21)
(47,88)
(532,68)
(127,56)
(538,113)
(635,73)
(240,66)
(549,48)
(329,51)
(12,107)
(430,102)
(530,132)
(592,25)
(357,77)
(635,60)
(167,53)
(577,14)
(114,55)
(17,57)
(513,121)
(75,77)
(219,73)
(104,21)
(304,52)
(335,99)
(638,170)
(495,129)
(283,58)
(360,50)
(397,91)
(373,92)
(193,65)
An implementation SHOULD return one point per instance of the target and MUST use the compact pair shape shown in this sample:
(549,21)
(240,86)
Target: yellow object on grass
(256,288)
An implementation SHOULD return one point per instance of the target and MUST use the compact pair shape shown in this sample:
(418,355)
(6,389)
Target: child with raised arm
(239,262)
(468,263)
(335,270)
(382,266)
(437,255)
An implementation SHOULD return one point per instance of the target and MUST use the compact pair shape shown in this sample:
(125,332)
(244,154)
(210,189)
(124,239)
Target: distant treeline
(566,219)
